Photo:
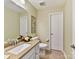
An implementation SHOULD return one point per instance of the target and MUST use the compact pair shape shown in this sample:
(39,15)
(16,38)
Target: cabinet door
(37,56)
(29,55)
(37,51)
(32,56)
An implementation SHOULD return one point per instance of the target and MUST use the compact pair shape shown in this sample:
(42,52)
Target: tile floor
(53,54)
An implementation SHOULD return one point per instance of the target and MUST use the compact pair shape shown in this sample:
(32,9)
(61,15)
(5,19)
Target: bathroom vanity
(31,52)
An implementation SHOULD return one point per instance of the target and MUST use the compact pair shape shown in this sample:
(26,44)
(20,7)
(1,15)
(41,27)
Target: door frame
(50,27)
(73,28)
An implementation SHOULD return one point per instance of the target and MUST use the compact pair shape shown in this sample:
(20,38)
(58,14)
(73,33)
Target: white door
(23,25)
(56,31)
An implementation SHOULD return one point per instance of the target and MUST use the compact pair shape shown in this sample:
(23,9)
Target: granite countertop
(18,56)
(6,56)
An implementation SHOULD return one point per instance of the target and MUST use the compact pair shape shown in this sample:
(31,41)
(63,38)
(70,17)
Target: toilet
(42,47)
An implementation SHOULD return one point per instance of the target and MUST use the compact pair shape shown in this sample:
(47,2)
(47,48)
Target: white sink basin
(19,49)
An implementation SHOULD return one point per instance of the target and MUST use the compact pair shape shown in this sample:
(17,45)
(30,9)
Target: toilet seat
(42,45)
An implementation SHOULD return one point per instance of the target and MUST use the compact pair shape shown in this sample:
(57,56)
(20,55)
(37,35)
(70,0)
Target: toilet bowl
(42,47)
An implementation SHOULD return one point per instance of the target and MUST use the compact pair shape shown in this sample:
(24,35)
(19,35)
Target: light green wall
(68,28)
(11,24)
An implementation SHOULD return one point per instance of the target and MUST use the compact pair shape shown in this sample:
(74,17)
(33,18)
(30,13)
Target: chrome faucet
(13,42)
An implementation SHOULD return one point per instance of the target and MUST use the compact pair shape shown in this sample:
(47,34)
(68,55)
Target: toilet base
(42,51)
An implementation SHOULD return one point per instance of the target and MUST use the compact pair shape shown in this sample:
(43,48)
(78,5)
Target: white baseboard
(64,54)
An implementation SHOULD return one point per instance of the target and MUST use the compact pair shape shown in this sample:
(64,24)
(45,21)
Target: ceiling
(48,3)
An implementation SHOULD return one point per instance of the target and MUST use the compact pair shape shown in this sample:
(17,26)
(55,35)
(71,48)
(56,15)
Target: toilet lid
(42,45)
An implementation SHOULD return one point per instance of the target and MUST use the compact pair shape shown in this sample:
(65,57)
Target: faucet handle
(12,41)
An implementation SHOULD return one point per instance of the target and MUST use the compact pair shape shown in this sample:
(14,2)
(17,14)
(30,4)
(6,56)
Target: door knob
(51,34)
(73,46)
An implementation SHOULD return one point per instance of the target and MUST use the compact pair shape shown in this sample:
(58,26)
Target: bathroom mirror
(12,23)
